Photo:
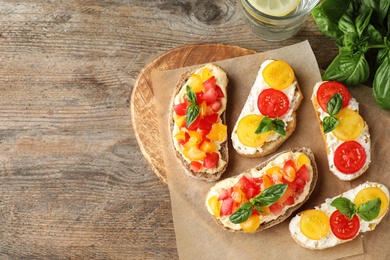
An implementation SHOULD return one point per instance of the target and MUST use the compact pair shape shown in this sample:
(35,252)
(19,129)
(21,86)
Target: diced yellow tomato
(192,142)
(197,135)
(278,75)
(370,193)
(246,129)
(218,132)
(193,153)
(208,147)
(206,74)
(180,135)
(350,125)
(275,173)
(267,182)
(205,110)
(266,210)
(195,82)
(251,224)
(179,120)
(289,191)
(314,224)
(302,160)
(237,195)
(214,205)
(289,173)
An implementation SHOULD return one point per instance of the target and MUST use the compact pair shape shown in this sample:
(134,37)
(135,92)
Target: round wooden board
(142,102)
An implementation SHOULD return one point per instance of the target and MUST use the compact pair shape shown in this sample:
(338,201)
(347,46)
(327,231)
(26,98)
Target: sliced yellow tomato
(251,224)
(180,135)
(314,224)
(350,125)
(370,193)
(179,120)
(246,129)
(208,147)
(214,205)
(193,153)
(275,173)
(206,74)
(218,132)
(302,160)
(195,82)
(278,75)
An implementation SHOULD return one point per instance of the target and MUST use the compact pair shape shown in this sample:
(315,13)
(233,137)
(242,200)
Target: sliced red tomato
(195,166)
(349,157)
(225,193)
(329,89)
(342,227)
(180,109)
(211,160)
(273,103)
(227,207)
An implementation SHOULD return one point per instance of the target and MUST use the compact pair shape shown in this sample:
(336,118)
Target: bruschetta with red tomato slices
(268,117)
(345,133)
(198,122)
(266,195)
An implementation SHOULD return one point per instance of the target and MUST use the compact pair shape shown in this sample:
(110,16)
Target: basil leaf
(369,210)
(192,113)
(257,207)
(380,8)
(381,84)
(264,126)
(329,123)
(242,214)
(334,104)
(345,206)
(270,195)
(190,96)
(279,127)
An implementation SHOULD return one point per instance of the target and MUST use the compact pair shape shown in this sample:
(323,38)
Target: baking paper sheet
(199,237)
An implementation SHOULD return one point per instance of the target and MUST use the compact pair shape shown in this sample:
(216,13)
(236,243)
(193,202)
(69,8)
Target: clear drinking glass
(277,28)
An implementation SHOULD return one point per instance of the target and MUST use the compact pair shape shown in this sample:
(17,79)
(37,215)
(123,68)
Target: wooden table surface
(74,183)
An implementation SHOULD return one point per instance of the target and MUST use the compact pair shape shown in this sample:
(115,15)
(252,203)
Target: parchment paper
(199,237)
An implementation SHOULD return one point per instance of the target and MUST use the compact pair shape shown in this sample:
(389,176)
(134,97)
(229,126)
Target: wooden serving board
(142,102)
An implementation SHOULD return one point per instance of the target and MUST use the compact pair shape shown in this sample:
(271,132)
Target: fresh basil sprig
(268,124)
(333,107)
(193,110)
(367,211)
(268,197)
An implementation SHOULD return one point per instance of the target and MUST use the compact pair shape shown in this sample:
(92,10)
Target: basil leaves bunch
(268,124)
(268,197)
(333,107)
(367,211)
(358,26)
(193,110)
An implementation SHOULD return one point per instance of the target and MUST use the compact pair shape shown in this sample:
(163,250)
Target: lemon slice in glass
(275,7)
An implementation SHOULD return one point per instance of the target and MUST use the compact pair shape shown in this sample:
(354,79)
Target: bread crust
(290,210)
(204,176)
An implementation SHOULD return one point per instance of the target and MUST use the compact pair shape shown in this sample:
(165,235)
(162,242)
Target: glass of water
(276,28)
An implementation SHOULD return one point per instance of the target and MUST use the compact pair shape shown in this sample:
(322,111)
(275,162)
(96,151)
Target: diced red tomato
(195,166)
(211,160)
(219,91)
(183,142)
(210,83)
(276,208)
(248,186)
(207,122)
(180,109)
(227,207)
(216,105)
(304,173)
(225,193)
(289,168)
(210,95)
(195,125)
(290,201)
(204,133)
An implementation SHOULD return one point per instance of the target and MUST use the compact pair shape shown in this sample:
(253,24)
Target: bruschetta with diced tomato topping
(342,218)
(266,195)
(198,124)
(268,117)
(346,134)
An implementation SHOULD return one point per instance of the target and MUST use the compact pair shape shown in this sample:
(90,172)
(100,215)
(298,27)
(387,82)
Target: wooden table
(74,183)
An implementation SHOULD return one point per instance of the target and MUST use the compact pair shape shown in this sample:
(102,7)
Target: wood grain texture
(73,180)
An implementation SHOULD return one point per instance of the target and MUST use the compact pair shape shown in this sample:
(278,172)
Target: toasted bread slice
(259,174)
(329,239)
(200,171)
(332,142)
(274,141)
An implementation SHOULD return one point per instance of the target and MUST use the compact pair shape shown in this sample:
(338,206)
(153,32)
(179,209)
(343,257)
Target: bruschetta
(268,116)
(342,218)
(266,195)
(198,122)
(345,133)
